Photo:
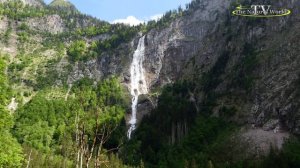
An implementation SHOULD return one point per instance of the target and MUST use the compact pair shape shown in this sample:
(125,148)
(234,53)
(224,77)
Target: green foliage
(227,111)
(197,149)
(121,34)
(23,27)
(171,15)
(10,150)
(41,159)
(110,92)
(16,10)
(213,78)
(163,22)
(49,126)
(93,30)
(23,37)
(104,101)
(7,35)
(245,77)
(3,83)
(77,50)
(63,5)
(36,122)
(291,153)
(174,110)
(47,80)
(117,34)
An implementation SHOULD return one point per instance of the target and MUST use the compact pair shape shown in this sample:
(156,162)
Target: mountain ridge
(35,3)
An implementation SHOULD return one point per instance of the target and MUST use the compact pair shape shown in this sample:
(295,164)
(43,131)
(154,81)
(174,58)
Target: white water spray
(138,84)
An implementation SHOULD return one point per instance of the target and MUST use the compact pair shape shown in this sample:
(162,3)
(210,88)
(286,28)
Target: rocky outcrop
(107,64)
(168,50)
(13,105)
(51,23)
(276,95)
(260,141)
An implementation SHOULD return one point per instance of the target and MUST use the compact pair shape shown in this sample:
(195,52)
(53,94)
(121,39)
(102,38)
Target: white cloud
(130,20)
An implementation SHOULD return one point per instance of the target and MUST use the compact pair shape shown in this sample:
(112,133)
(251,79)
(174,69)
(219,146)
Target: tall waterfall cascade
(138,83)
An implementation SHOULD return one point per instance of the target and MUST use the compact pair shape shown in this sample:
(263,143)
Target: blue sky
(112,10)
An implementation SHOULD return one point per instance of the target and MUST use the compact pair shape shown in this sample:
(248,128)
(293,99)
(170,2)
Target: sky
(127,11)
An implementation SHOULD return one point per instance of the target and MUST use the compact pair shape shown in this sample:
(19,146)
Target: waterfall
(138,84)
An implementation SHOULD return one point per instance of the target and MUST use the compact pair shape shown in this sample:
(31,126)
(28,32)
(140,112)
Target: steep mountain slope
(36,42)
(37,45)
(244,61)
(238,69)
(241,51)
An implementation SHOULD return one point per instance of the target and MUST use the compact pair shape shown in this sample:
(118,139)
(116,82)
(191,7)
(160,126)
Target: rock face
(116,63)
(261,141)
(203,36)
(51,23)
(168,50)
(195,43)
(13,105)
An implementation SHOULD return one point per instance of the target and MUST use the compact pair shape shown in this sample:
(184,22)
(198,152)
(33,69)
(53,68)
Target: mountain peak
(62,4)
